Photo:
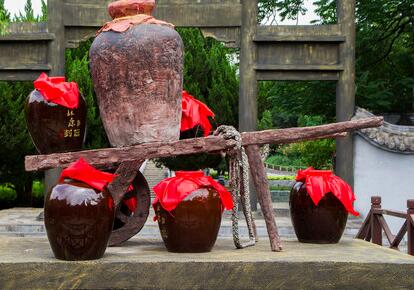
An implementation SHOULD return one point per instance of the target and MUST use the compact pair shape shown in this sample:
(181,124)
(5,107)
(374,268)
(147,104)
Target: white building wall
(386,174)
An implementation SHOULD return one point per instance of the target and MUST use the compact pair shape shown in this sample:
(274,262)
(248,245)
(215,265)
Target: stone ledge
(29,263)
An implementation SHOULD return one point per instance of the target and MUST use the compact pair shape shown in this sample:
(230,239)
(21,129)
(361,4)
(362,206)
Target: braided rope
(239,184)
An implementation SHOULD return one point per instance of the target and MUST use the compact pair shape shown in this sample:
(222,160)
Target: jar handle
(123,8)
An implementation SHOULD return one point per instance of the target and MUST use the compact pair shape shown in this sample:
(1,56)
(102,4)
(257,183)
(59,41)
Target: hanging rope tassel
(239,184)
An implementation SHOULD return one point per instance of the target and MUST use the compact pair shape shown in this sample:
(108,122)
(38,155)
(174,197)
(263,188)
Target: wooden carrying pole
(113,156)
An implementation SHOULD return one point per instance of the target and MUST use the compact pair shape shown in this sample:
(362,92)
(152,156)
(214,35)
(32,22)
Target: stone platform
(352,264)
(21,222)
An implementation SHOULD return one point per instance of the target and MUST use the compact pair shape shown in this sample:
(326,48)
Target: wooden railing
(375,224)
(292,169)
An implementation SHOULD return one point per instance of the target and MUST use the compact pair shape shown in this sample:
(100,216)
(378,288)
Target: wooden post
(376,231)
(248,80)
(410,226)
(345,89)
(263,193)
(56,61)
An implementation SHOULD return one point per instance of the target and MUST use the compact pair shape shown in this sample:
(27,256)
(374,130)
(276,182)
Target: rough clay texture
(138,79)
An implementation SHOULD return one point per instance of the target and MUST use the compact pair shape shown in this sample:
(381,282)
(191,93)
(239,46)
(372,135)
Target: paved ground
(22,222)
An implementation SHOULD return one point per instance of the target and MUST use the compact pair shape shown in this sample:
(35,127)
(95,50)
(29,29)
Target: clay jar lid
(124,8)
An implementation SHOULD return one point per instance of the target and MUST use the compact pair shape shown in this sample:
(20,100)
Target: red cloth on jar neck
(171,191)
(195,113)
(83,171)
(320,182)
(56,90)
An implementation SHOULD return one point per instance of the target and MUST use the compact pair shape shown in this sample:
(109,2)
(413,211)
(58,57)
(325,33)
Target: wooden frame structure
(322,52)
(130,159)
(375,224)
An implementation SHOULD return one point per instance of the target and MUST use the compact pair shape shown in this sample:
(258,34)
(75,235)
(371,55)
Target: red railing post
(410,226)
(376,230)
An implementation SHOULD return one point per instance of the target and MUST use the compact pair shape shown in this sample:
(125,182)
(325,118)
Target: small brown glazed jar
(321,224)
(193,226)
(55,128)
(78,220)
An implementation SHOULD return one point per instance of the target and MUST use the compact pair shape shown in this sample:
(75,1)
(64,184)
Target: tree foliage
(15,141)
(4,18)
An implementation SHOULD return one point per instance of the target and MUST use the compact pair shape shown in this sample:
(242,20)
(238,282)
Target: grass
(283,160)
(282,177)
(279,187)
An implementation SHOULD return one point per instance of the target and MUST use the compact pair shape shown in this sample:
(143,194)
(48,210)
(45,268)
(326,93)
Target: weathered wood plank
(296,53)
(106,157)
(297,75)
(308,33)
(248,107)
(19,75)
(27,37)
(27,27)
(345,89)
(28,54)
(182,15)
(302,67)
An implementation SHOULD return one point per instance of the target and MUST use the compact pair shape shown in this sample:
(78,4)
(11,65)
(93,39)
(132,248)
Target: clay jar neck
(127,8)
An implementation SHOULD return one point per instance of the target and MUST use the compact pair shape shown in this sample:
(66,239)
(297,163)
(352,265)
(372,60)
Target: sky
(14,6)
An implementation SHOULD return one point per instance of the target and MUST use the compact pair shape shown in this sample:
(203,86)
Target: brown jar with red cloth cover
(136,65)
(189,207)
(56,115)
(79,213)
(319,206)
(195,123)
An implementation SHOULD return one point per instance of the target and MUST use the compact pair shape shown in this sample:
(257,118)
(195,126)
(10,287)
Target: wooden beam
(106,157)
(345,89)
(202,14)
(300,67)
(299,33)
(248,108)
(286,75)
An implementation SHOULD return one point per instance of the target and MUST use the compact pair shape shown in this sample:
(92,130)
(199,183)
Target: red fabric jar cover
(56,90)
(195,113)
(82,171)
(171,191)
(320,182)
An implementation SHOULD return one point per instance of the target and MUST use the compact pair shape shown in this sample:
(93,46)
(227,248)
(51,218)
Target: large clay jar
(137,69)
(55,128)
(321,224)
(78,221)
(192,227)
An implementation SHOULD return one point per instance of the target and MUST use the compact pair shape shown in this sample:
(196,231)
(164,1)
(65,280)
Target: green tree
(4,18)
(43,17)
(15,141)
(77,70)
(210,76)
(28,14)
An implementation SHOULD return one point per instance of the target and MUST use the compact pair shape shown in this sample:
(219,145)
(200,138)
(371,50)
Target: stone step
(151,230)
(280,195)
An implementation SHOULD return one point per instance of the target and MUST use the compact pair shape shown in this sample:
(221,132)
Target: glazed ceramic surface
(322,224)
(55,128)
(78,221)
(192,227)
